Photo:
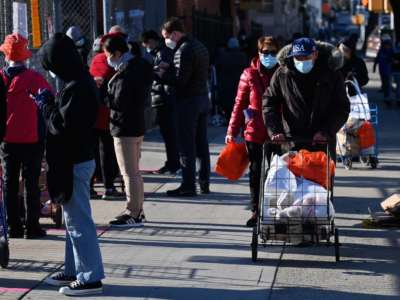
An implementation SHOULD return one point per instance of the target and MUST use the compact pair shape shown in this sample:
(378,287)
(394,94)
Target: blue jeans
(82,251)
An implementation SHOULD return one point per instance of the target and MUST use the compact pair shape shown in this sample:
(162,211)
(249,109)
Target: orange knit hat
(15,47)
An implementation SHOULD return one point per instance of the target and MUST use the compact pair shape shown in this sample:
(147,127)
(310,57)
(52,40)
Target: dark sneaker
(113,195)
(59,279)
(94,195)
(162,171)
(180,192)
(204,188)
(166,171)
(252,222)
(142,216)
(35,233)
(127,221)
(16,233)
(77,288)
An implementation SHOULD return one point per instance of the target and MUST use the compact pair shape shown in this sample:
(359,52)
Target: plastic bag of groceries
(279,187)
(313,200)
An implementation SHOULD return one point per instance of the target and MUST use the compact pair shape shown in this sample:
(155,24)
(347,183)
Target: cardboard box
(391,202)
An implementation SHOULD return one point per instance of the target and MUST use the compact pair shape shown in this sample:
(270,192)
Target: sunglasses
(268,52)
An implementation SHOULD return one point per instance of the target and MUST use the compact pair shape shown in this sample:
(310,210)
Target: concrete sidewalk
(198,248)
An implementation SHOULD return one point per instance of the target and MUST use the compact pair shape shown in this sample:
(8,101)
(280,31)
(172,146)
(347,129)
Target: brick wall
(183,8)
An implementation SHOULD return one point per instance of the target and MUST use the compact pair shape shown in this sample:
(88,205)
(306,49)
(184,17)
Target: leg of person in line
(202,147)
(31,169)
(109,166)
(97,173)
(187,120)
(11,170)
(138,184)
(82,230)
(255,156)
(126,149)
(166,119)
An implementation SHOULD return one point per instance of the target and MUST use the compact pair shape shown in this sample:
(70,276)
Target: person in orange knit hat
(22,144)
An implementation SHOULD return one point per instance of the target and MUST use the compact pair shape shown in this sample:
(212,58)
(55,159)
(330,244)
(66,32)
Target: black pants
(108,160)
(256,153)
(28,158)
(166,120)
(193,140)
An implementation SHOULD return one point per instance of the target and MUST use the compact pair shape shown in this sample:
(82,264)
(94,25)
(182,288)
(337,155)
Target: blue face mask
(269,61)
(305,66)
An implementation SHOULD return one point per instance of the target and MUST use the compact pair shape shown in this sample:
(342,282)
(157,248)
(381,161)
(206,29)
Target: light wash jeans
(82,251)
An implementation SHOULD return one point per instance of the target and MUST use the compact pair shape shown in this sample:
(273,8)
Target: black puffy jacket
(71,118)
(286,110)
(127,96)
(191,61)
(161,92)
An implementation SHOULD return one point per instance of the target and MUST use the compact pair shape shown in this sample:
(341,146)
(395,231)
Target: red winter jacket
(22,123)
(252,86)
(100,68)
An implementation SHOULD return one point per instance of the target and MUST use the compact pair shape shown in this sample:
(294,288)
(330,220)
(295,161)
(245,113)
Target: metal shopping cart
(4,249)
(348,140)
(294,210)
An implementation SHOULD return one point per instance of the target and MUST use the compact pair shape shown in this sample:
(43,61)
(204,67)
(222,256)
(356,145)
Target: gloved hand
(278,138)
(43,98)
(229,139)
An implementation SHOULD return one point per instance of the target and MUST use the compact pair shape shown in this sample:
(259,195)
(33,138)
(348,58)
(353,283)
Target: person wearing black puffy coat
(191,62)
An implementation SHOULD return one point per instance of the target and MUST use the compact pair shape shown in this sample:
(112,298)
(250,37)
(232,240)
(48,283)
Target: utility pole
(106,15)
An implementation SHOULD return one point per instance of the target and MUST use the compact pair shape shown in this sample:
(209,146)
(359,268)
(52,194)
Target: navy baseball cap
(303,47)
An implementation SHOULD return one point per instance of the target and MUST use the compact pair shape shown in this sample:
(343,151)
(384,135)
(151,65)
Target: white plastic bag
(280,186)
(313,200)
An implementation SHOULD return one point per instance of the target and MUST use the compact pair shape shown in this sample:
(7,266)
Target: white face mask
(170,43)
(113,64)
(52,75)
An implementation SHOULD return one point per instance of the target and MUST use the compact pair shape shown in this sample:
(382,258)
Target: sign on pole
(35,18)
(20,18)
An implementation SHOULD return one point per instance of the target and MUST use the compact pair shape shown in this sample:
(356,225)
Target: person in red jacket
(247,113)
(23,143)
(102,73)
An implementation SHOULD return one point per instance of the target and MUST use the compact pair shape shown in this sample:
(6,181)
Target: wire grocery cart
(296,200)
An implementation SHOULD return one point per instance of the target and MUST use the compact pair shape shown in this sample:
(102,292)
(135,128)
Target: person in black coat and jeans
(70,145)
(306,99)
(127,94)
(163,99)
(191,62)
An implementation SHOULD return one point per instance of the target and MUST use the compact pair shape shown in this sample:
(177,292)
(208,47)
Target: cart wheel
(254,245)
(337,245)
(373,162)
(57,216)
(4,253)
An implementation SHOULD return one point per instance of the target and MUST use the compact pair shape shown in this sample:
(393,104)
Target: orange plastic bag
(313,166)
(232,161)
(366,134)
